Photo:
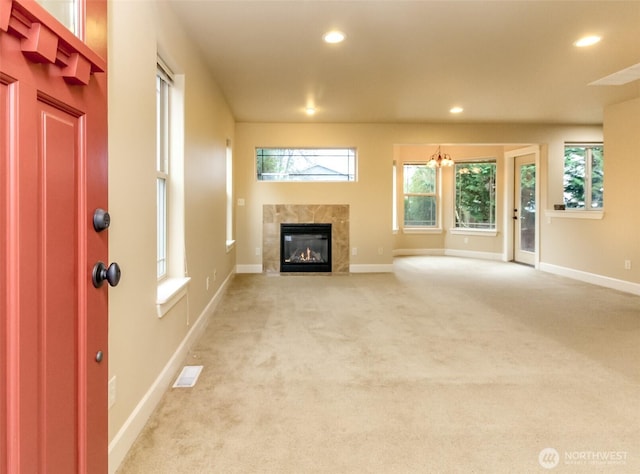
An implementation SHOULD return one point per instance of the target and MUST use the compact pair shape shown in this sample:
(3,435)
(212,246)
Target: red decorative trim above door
(45,40)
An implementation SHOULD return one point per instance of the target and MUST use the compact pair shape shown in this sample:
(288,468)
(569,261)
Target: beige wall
(475,242)
(601,246)
(622,169)
(140,344)
(370,197)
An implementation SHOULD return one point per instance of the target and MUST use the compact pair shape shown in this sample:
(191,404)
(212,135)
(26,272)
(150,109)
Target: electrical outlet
(380,250)
(354,251)
(112,391)
(627,264)
(257,251)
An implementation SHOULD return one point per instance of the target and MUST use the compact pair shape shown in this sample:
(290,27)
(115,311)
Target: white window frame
(437,227)
(173,281)
(345,171)
(229,188)
(164,81)
(588,178)
(461,229)
(394,200)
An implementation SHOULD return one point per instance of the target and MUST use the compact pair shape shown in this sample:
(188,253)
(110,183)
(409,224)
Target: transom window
(306,164)
(475,199)
(584,176)
(420,195)
(66,12)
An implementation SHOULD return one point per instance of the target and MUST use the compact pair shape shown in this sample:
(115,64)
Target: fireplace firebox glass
(305,247)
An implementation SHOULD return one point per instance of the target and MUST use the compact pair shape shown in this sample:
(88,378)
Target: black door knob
(102,273)
(101,220)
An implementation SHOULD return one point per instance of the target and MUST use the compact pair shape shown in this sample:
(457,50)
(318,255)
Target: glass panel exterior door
(528,207)
(525,211)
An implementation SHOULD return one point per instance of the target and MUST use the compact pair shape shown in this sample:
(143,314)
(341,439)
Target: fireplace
(305,247)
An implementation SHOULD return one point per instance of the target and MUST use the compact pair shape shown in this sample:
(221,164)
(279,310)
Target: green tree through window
(584,176)
(475,201)
(420,200)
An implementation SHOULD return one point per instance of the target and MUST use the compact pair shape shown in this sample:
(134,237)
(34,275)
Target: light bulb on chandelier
(438,160)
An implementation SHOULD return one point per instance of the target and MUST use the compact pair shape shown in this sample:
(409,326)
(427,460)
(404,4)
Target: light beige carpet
(448,365)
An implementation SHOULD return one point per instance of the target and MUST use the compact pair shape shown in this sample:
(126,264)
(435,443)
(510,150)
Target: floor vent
(188,377)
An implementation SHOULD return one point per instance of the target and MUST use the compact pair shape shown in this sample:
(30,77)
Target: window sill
(230,244)
(575,214)
(170,291)
(479,232)
(422,230)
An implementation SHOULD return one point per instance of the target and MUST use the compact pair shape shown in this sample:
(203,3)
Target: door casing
(510,202)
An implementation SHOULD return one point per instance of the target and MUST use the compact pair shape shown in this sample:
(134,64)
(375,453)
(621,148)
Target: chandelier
(438,160)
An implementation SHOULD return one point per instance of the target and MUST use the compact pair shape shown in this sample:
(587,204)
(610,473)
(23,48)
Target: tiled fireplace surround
(335,214)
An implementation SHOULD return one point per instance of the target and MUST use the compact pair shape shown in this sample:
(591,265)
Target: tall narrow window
(584,176)
(171,270)
(229,159)
(163,127)
(475,199)
(420,195)
(394,198)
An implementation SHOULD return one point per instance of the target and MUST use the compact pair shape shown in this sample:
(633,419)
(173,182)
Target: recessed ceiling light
(456,110)
(333,37)
(310,110)
(587,41)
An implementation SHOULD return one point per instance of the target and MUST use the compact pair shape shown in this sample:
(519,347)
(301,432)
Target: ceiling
(411,61)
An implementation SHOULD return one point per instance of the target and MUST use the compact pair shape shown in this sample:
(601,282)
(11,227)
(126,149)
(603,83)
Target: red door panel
(58,325)
(53,174)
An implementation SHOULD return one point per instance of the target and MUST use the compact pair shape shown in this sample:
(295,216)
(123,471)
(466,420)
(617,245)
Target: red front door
(53,176)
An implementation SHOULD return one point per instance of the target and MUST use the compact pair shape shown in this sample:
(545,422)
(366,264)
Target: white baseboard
(125,437)
(248,268)
(474,254)
(373,268)
(600,280)
(417,252)
(448,252)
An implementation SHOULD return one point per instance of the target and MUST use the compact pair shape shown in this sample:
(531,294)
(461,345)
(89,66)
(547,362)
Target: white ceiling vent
(619,78)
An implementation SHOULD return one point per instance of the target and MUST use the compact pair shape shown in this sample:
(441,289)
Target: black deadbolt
(101,220)
(102,273)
